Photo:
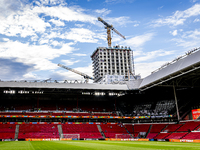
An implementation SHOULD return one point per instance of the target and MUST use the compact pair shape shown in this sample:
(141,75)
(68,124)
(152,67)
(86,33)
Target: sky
(36,35)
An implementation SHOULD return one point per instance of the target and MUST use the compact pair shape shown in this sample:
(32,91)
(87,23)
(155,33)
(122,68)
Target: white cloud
(118,1)
(103,12)
(28,22)
(25,23)
(56,43)
(8,7)
(57,22)
(145,56)
(50,2)
(145,69)
(196,20)
(179,17)
(30,76)
(79,54)
(174,33)
(135,25)
(160,7)
(138,41)
(189,39)
(65,13)
(193,1)
(80,35)
(69,62)
(119,21)
(39,56)
(5,39)
(79,25)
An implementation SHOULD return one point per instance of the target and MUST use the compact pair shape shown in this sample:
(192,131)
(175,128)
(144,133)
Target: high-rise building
(112,64)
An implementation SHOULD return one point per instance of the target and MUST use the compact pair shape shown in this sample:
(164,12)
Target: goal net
(124,136)
(70,136)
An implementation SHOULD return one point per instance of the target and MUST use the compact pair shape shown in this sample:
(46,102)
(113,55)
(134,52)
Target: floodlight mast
(109,28)
(87,77)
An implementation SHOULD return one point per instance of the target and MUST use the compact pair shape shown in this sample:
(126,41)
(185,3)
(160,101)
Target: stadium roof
(184,72)
(89,86)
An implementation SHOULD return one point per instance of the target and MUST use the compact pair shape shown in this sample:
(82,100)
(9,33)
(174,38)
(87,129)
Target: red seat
(162,136)
(38,131)
(110,130)
(176,135)
(84,130)
(7,131)
(192,135)
(188,126)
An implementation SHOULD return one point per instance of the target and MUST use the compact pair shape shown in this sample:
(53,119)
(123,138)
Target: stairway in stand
(100,130)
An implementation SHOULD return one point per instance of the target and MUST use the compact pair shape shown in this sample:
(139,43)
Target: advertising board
(195,113)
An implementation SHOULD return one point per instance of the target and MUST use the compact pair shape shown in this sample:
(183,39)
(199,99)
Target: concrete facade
(112,61)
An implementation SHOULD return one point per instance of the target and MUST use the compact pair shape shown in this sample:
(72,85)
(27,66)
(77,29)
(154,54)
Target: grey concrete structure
(112,61)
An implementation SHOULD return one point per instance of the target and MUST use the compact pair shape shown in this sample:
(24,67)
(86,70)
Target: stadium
(161,107)
(114,108)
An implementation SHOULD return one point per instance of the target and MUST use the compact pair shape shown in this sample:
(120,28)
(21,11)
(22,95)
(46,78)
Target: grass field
(95,145)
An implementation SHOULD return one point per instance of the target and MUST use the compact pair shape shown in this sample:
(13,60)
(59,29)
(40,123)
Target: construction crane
(86,77)
(109,28)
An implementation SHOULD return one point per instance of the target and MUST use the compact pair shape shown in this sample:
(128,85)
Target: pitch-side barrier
(107,139)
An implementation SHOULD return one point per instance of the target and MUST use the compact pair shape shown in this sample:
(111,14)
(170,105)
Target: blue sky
(36,35)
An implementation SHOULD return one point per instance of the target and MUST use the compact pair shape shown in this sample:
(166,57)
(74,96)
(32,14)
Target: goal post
(124,136)
(70,136)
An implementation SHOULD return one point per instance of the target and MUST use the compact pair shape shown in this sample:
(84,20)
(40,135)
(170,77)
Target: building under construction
(112,64)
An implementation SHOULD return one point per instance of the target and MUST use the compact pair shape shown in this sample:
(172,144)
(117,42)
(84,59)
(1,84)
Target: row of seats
(114,131)
(160,108)
(7,131)
(57,114)
(58,105)
(85,130)
(155,131)
(38,131)
(174,131)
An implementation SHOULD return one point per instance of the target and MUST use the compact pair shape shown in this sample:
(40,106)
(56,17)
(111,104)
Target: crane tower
(109,28)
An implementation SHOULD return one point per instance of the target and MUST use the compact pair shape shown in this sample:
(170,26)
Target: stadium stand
(110,130)
(192,135)
(155,130)
(188,126)
(176,135)
(172,127)
(90,130)
(85,130)
(129,127)
(162,136)
(140,128)
(153,109)
(38,131)
(7,131)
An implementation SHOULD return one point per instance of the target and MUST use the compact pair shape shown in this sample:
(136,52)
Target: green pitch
(96,145)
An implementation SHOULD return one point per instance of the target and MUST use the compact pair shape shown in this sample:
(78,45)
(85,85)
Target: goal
(124,136)
(70,136)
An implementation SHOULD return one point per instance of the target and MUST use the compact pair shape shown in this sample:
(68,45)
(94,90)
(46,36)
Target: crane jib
(110,27)
(77,72)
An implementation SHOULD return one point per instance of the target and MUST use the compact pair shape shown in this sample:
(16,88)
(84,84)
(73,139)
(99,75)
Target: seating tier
(38,131)
(7,131)
(110,130)
(85,130)
(188,126)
